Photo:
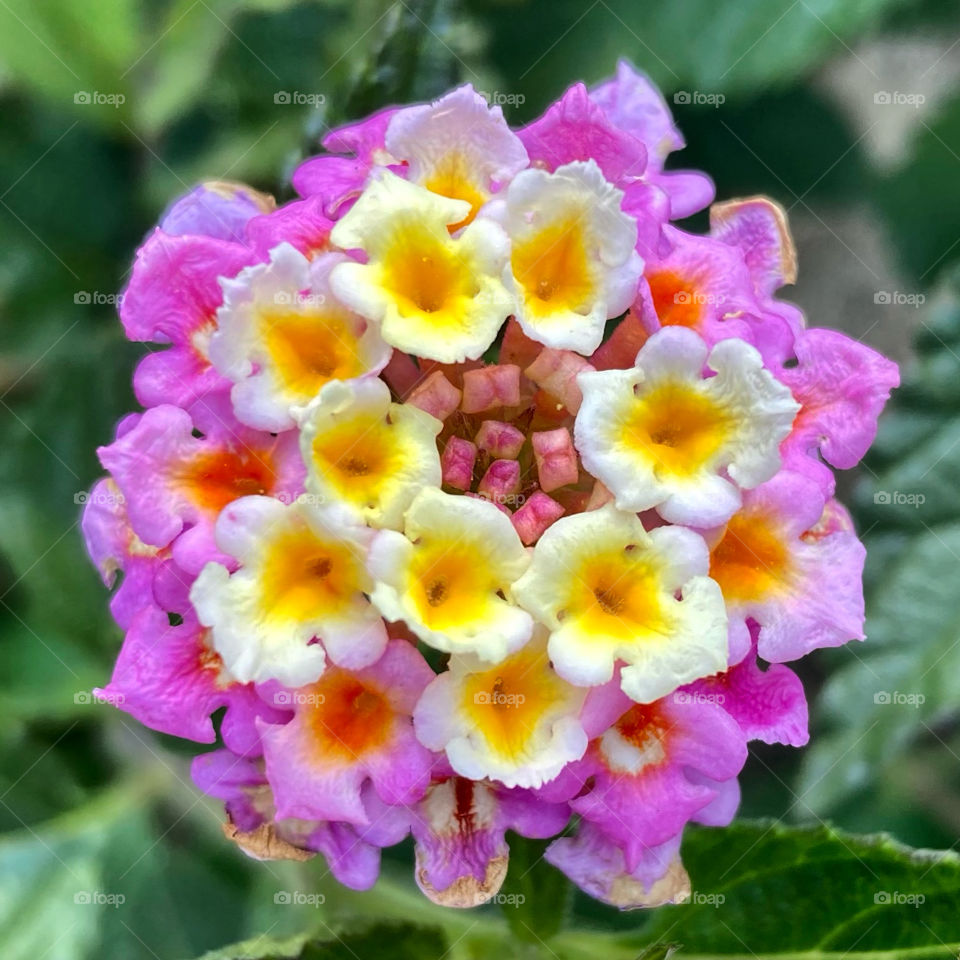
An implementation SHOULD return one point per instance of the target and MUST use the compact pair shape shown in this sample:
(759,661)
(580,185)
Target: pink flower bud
(498,439)
(556,458)
(535,516)
(457,462)
(436,396)
(501,480)
(489,387)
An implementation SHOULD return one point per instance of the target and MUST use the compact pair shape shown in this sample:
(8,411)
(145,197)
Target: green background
(91,802)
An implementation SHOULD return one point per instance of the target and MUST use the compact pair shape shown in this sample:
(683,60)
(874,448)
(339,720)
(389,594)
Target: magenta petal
(842,386)
(577,128)
(301,223)
(769,704)
(115,549)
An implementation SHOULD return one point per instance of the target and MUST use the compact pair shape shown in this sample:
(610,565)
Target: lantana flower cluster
(470,495)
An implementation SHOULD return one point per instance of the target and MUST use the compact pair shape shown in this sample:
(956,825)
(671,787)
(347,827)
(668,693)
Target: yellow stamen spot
(356,456)
(426,276)
(553,269)
(451,178)
(617,595)
(451,585)
(310,349)
(305,577)
(507,702)
(678,427)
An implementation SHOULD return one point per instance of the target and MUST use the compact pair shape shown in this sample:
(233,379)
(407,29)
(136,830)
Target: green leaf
(54,888)
(38,46)
(535,896)
(768,890)
(691,45)
(399,941)
(891,692)
(760,889)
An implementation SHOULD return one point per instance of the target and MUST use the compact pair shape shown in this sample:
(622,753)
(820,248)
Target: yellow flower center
(507,702)
(677,427)
(553,269)
(356,456)
(310,349)
(426,276)
(616,595)
(305,577)
(451,585)
(451,178)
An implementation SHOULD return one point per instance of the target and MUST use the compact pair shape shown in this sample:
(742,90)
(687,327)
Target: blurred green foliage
(92,804)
